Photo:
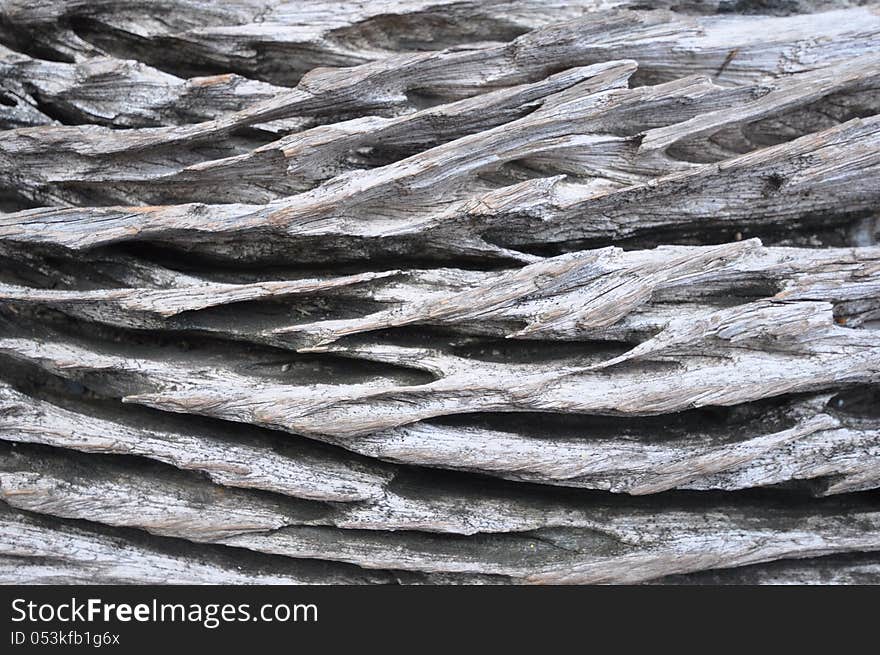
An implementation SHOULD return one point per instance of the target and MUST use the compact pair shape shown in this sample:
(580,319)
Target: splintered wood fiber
(439,291)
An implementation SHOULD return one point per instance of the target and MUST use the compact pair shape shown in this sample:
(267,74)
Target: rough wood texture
(439,292)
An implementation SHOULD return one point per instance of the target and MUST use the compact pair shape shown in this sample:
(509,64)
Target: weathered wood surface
(435,291)
(860,569)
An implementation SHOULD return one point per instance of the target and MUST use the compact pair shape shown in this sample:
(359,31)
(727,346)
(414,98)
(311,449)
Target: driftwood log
(439,292)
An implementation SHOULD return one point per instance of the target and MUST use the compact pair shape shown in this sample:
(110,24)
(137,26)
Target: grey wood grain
(439,292)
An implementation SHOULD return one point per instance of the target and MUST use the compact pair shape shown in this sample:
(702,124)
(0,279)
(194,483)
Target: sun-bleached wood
(438,291)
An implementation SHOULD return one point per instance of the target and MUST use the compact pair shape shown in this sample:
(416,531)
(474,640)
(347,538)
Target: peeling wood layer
(439,292)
